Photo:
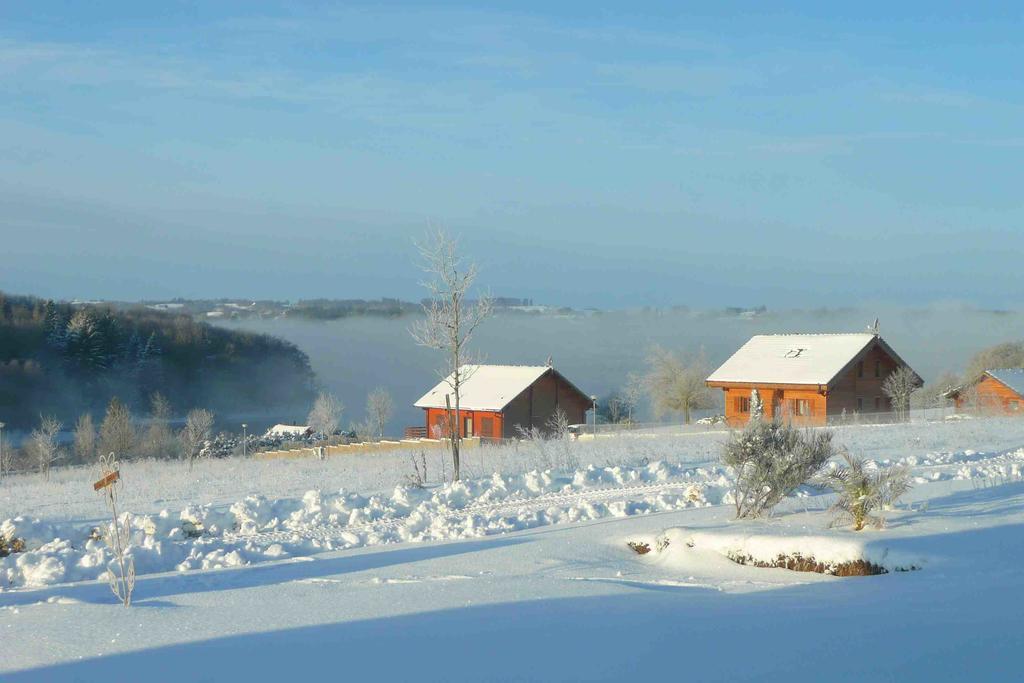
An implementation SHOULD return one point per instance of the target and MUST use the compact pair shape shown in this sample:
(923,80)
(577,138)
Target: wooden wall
(994,396)
(775,400)
(437,416)
(536,406)
(845,391)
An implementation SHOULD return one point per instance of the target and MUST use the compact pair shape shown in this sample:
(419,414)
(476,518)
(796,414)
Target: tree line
(62,359)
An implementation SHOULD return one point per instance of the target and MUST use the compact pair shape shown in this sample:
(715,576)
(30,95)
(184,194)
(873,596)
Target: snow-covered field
(261,570)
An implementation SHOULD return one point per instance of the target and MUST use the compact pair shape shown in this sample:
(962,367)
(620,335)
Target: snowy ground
(526,576)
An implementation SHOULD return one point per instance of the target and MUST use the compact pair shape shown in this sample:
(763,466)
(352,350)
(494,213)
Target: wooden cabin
(497,400)
(807,378)
(996,391)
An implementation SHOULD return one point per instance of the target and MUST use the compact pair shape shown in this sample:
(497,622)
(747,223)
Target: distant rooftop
(1011,377)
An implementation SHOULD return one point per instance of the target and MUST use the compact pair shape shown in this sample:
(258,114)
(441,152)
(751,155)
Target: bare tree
(615,408)
(325,416)
(449,321)
(158,441)
(677,385)
(898,386)
(935,394)
(1008,355)
(630,394)
(117,431)
(197,431)
(85,439)
(378,409)
(43,444)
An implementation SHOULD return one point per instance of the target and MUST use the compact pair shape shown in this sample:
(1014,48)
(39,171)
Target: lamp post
(243,439)
(593,400)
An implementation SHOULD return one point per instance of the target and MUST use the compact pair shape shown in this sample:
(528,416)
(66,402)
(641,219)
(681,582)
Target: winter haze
(792,157)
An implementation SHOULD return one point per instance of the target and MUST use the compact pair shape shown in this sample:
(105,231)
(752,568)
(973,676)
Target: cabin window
(742,404)
(486,426)
(878,368)
(860,368)
(800,407)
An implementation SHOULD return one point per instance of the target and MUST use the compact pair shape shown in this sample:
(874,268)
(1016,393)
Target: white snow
(792,358)
(526,575)
(288,430)
(489,387)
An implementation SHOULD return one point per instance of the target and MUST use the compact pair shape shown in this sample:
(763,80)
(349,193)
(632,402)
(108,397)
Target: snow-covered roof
(288,430)
(792,358)
(489,387)
(1011,377)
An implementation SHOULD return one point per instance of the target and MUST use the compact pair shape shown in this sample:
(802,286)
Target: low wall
(365,447)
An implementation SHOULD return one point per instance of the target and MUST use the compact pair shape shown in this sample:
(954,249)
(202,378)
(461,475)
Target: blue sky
(588,155)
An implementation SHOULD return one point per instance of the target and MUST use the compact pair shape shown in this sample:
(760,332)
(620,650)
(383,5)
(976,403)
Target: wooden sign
(106,481)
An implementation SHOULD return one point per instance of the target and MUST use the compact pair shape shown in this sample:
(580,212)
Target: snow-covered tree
(117,431)
(85,342)
(378,409)
(756,405)
(898,386)
(43,444)
(771,459)
(449,321)
(158,440)
(630,394)
(197,431)
(863,490)
(325,416)
(85,439)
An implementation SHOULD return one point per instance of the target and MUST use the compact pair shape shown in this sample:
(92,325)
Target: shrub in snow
(552,447)
(11,545)
(771,460)
(756,405)
(862,491)
(118,536)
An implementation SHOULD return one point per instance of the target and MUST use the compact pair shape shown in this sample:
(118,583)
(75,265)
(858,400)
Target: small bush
(771,460)
(11,545)
(861,492)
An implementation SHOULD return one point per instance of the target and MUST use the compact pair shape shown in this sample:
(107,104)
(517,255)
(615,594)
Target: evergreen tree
(756,405)
(85,344)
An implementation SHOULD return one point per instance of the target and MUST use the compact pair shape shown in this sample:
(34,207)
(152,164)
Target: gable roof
(490,387)
(795,358)
(1011,377)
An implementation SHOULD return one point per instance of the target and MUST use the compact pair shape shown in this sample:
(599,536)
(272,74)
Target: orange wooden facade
(801,403)
(483,423)
(991,395)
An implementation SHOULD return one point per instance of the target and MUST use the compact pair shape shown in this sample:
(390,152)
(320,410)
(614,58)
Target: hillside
(64,359)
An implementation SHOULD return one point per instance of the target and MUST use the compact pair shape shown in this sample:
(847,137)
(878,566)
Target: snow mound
(259,529)
(829,552)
